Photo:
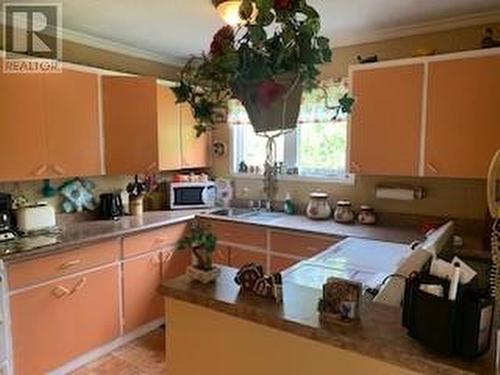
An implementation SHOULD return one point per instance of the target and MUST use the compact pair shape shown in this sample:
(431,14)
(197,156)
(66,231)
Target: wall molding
(445,24)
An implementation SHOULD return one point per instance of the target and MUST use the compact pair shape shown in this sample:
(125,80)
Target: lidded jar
(318,207)
(344,212)
(367,215)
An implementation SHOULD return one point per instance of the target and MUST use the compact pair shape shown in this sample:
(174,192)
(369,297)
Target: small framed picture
(341,298)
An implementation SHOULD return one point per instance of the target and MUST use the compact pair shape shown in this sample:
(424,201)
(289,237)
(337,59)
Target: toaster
(35,218)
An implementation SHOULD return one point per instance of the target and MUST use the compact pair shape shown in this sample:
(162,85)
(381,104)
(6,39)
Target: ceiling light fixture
(229,10)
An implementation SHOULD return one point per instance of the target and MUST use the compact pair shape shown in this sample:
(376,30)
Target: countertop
(82,233)
(379,334)
(398,234)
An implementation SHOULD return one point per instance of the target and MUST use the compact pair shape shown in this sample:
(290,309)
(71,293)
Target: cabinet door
(279,263)
(386,122)
(142,302)
(463,127)
(22,142)
(298,244)
(130,123)
(169,133)
(239,257)
(73,128)
(194,150)
(174,263)
(221,255)
(55,323)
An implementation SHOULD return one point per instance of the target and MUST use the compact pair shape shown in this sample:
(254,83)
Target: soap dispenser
(289,208)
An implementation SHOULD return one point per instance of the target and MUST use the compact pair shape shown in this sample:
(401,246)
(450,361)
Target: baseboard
(106,349)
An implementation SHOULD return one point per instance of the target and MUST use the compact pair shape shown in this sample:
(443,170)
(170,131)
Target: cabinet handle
(40,170)
(79,285)
(151,168)
(167,255)
(60,292)
(356,167)
(59,170)
(432,168)
(70,264)
(155,259)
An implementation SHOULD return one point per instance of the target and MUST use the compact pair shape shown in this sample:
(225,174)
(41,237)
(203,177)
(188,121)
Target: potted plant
(203,244)
(266,63)
(136,191)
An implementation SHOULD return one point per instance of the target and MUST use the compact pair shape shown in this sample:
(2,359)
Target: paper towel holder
(406,193)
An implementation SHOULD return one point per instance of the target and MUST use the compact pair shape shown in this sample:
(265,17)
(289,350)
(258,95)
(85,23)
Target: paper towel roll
(397,194)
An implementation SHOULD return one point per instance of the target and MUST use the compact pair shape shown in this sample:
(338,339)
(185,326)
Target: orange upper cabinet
(50,125)
(143,128)
(463,122)
(73,131)
(194,150)
(386,121)
(22,146)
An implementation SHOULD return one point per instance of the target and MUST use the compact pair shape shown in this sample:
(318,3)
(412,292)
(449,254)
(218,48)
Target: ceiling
(175,29)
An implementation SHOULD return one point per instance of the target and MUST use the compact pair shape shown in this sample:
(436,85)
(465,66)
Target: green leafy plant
(283,38)
(203,243)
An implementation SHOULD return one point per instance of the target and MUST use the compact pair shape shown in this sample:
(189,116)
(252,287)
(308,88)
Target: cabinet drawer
(241,234)
(153,240)
(50,267)
(299,244)
(239,257)
(55,323)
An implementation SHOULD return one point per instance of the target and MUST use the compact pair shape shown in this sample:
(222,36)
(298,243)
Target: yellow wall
(457,198)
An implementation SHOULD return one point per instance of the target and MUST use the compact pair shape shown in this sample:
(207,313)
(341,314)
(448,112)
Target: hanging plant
(265,63)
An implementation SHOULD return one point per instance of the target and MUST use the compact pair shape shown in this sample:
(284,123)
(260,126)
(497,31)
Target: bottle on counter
(289,207)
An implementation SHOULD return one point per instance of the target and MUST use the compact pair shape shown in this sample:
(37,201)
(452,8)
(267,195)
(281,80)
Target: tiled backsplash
(32,190)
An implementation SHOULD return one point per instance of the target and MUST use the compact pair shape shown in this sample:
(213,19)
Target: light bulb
(229,10)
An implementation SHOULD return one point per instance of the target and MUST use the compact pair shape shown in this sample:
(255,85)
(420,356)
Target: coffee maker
(111,206)
(7,231)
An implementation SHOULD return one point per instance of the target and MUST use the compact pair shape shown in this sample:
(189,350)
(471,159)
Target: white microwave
(186,195)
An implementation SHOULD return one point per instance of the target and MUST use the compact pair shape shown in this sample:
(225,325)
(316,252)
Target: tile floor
(144,356)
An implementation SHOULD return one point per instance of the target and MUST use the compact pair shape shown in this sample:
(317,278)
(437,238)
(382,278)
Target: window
(318,147)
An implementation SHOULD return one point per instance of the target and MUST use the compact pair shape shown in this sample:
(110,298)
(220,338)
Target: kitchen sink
(252,215)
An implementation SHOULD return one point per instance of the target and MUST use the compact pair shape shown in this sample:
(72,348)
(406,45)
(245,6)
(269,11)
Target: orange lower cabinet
(174,263)
(240,257)
(279,263)
(221,255)
(141,300)
(55,323)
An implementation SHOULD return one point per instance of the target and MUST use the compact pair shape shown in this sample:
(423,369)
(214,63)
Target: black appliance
(111,206)
(6,218)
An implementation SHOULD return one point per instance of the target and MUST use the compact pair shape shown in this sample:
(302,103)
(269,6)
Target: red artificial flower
(282,4)
(223,39)
(268,92)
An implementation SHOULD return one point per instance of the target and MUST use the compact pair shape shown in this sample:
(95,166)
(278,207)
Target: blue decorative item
(48,191)
(78,195)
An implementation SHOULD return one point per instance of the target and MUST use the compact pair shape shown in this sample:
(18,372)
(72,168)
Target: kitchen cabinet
(239,257)
(56,322)
(194,150)
(50,125)
(281,263)
(222,255)
(141,279)
(243,234)
(145,130)
(175,262)
(386,121)
(73,132)
(22,144)
(463,129)
(299,245)
(36,271)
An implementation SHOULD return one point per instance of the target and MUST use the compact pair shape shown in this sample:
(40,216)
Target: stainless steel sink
(246,214)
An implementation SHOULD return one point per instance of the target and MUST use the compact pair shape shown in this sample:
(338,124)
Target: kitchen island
(215,329)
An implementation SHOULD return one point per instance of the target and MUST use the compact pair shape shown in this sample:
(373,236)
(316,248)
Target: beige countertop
(81,233)
(379,334)
(390,233)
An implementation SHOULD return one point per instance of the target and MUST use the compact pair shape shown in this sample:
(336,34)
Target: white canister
(318,207)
